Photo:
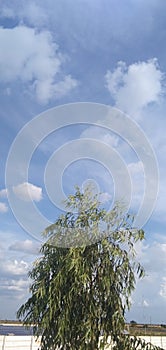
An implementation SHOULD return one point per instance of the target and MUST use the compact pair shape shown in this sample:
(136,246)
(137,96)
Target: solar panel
(15,330)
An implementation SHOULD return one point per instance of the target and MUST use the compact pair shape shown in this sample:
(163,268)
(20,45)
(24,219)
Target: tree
(82,283)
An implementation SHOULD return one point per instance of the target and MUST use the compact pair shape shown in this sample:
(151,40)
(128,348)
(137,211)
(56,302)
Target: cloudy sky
(102,52)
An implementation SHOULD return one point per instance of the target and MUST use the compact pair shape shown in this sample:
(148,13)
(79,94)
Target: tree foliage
(82,283)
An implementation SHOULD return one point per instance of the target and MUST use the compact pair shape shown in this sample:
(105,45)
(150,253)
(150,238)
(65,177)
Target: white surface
(27,342)
(155,340)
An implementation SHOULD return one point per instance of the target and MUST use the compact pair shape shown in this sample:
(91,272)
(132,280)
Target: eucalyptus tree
(82,283)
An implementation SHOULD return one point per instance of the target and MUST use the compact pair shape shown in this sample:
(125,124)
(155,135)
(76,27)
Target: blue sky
(59,52)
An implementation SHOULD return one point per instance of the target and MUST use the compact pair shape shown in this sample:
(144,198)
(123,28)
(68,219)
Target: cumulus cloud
(13,271)
(64,86)
(28,192)
(14,268)
(135,86)
(45,89)
(3,208)
(36,60)
(26,246)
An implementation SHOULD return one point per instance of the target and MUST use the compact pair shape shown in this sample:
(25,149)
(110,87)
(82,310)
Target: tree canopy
(82,283)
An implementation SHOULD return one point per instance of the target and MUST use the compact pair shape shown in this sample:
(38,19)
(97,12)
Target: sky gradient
(59,52)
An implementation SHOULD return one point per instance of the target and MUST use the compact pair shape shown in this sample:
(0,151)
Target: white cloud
(150,292)
(26,246)
(36,60)
(14,281)
(3,208)
(25,11)
(64,86)
(47,88)
(153,256)
(15,267)
(135,86)
(3,193)
(28,192)
(98,133)
(33,13)
(34,54)
(135,168)
(104,197)
(17,285)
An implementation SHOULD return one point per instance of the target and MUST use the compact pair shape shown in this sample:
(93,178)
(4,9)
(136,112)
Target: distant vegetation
(10,322)
(146,329)
(133,328)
